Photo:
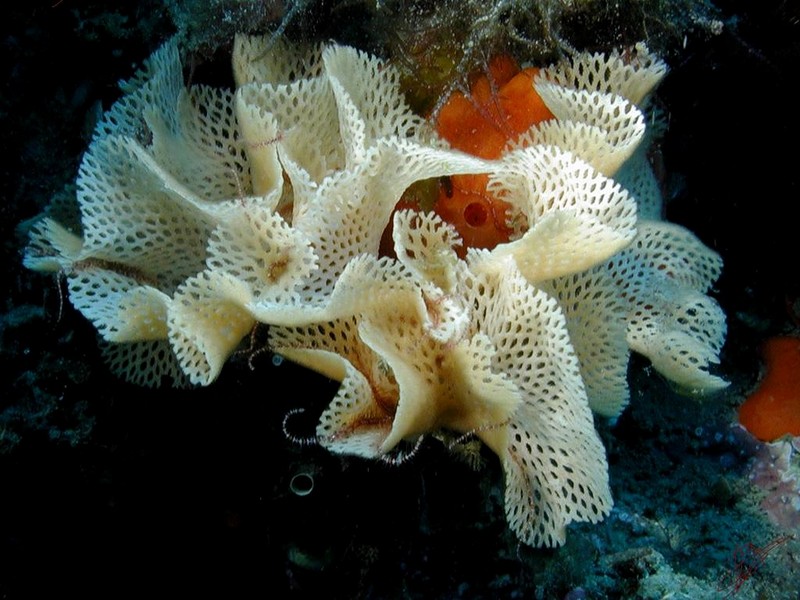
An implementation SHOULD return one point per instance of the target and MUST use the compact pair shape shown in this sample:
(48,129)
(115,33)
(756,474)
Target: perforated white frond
(153,90)
(371,104)
(602,129)
(207,321)
(206,212)
(52,247)
(148,363)
(359,418)
(262,59)
(595,313)
(129,217)
(425,244)
(553,460)
(576,217)
(637,176)
(201,150)
(662,275)
(677,253)
(632,73)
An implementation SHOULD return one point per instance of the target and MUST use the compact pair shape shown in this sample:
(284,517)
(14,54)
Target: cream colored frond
(52,248)
(602,129)
(267,59)
(207,321)
(632,73)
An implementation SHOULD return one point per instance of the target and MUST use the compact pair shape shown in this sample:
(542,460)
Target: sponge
(773,410)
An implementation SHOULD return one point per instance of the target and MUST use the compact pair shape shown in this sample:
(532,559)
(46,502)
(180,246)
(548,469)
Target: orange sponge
(501,105)
(478,217)
(773,410)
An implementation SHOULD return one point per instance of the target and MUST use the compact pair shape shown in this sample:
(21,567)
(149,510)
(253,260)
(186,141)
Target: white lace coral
(205,212)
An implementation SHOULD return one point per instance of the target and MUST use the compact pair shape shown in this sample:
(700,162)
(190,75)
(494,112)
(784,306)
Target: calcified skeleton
(516,345)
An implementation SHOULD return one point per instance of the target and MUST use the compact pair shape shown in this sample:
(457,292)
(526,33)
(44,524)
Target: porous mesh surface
(129,218)
(259,264)
(371,103)
(362,274)
(677,253)
(207,321)
(258,59)
(637,176)
(681,335)
(52,248)
(259,132)
(617,125)
(147,363)
(397,335)
(662,277)
(206,212)
(631,76)
(120,305)
(352,208)
(548,486)
(564,199)
(203,152)
(366,272)
(340,223)
(633,73)
(258,248)
(145,314)
(572,184)
(149,199)
(441,386)
(554,462)
(360,416)
(424,243)
(153,89)
(445,373)
(306,121)
(595,315)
